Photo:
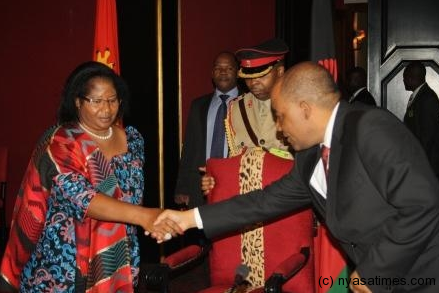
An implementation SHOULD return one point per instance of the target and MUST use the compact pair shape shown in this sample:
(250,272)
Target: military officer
(250,122)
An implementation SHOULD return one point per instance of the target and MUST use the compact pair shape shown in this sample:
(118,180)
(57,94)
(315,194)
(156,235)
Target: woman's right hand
(167,226)
(171,222)
(207,181)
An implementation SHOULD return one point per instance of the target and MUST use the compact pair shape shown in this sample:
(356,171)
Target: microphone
(241,273)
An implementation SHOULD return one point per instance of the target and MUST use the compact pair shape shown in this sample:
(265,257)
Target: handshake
(162,225)
(170,223)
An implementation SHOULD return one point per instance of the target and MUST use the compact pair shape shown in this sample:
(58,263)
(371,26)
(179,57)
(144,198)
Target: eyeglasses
(98,103)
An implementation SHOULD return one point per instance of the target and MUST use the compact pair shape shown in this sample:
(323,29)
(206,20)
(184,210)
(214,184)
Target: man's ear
(280,70)
(305,109)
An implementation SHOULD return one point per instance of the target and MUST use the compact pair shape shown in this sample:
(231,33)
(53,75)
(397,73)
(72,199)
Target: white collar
(356,94)
(358,91)
(233,93)
(330,127)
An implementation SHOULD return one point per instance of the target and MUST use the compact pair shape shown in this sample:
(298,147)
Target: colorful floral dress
(63,249)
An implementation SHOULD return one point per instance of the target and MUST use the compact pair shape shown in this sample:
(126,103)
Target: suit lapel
(334,161)
(419,93)
(311,158)
(204,109)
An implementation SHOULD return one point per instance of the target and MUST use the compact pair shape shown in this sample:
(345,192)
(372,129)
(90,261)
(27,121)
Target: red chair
(283,248)
(157,277)
(263,248)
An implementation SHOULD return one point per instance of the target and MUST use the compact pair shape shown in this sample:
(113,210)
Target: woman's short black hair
(77,85)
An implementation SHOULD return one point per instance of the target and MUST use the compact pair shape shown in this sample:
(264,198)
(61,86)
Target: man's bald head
(303,100)
(310,82)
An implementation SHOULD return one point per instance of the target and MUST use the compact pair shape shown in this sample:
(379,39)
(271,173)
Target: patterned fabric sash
(252,238)
(28,215)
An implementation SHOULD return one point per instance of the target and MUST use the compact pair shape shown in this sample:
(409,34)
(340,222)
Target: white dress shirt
(318,178)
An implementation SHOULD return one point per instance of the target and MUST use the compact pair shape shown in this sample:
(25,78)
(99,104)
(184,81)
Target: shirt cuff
(198,219)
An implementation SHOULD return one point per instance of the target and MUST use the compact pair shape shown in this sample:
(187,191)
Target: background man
(205,137)
(422,114)
(356,82)
(200,127)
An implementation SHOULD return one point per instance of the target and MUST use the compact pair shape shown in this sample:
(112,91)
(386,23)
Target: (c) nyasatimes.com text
(377,281)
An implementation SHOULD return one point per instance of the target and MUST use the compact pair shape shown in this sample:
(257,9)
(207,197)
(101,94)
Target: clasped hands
(170,223)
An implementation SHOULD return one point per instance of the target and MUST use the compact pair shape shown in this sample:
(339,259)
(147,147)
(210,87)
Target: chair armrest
(186,256)
(157,276)
(285,270)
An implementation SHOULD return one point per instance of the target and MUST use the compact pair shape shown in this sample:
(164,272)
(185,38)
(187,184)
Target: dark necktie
(325,159)
(217,148)
(412,96)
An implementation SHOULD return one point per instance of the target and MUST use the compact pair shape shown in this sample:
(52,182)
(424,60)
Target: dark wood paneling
(400,31)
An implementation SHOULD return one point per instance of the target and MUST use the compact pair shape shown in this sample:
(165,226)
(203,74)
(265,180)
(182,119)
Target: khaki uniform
(261,121)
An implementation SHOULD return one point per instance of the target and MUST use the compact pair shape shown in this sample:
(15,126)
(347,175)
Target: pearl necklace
(103,137)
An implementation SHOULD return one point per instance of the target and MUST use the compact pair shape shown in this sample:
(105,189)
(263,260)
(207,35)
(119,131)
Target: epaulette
(241,96)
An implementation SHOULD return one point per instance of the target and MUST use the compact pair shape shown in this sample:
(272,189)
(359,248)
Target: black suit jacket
(193,154)
(422,118)
(382,201)
(364,96)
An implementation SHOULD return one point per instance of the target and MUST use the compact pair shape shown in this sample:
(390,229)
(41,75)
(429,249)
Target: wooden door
(401,31)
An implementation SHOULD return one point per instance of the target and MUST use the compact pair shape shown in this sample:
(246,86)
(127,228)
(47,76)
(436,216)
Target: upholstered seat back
(263,247)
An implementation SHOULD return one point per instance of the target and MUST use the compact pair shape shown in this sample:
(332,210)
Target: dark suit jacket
(422,118)
(364,97)
(382,201)
(193,154)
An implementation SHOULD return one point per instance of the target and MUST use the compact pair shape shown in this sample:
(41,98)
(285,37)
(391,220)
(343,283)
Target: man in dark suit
(199,130)
(422,114)
(356,82)
(374,189)
(199,138)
